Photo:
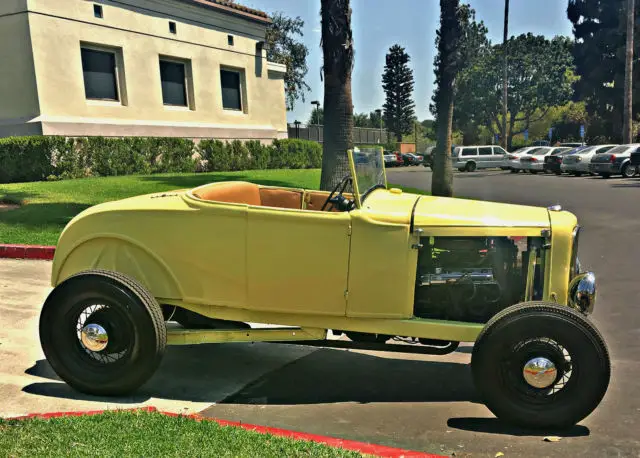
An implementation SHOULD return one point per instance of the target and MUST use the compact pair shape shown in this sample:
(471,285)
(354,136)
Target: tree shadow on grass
(15,197)
(42,215)
(194,180)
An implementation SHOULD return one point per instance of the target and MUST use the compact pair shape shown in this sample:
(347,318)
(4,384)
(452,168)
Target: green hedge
(38,158)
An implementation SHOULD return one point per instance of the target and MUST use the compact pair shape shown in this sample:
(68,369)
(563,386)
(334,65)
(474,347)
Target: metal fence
(361,135)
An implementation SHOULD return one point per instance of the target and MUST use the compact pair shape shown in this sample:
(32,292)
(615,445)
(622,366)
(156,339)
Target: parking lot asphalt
(429,403)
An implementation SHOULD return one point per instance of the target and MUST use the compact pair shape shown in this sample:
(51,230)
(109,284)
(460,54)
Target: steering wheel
(340,201)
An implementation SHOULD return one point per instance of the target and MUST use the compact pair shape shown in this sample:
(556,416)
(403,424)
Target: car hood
(433,211)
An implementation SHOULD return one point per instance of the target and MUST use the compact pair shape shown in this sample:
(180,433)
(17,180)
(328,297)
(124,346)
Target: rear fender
(118,255)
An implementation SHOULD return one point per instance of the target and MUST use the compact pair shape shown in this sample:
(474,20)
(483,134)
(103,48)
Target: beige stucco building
(185,68)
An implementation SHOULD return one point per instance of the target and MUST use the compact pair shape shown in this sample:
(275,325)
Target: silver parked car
(471,158)
(616,161)
(511,161)
(578,163)
(534,161)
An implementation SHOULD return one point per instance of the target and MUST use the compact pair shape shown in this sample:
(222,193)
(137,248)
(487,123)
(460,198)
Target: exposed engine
(467,279)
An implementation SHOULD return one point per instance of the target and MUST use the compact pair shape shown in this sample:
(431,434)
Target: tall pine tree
(397,82)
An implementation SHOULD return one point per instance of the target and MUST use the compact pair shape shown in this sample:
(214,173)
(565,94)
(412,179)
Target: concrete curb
(27,252)
(362,447)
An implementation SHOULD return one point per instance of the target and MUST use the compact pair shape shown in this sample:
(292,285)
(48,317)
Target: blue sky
(378,24)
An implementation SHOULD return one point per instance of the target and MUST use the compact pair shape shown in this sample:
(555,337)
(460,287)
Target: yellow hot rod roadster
(222,256)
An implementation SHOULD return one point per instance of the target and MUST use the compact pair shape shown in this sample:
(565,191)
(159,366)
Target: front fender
(117,254)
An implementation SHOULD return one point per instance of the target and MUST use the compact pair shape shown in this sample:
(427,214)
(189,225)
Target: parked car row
(396,159)
(603,160)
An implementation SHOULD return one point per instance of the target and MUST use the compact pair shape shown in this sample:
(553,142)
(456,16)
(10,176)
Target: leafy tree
(374,120)
(338,55)
(540,77)
(447,65)
(317,116)
(361,120)
(397,82)
(283,47)
(599,29)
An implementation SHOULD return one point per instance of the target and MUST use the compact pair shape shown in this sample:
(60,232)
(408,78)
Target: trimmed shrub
(259,154)
(295,154)
(28,158)
(52,158)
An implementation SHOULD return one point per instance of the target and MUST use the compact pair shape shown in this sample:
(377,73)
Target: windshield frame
(359,196)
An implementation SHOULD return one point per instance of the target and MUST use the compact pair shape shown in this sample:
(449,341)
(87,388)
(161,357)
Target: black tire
(605,175)
(514,171)
(133,320)
(577,174)
(462,169)
(516,335)
(533,171)
(628,171)
(470,167)
(558,173)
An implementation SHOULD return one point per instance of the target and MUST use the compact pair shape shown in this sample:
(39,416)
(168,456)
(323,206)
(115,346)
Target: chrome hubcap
(540,372)
(94,337)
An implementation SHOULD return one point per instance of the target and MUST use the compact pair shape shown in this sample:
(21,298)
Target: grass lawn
(147,434)
(48,206)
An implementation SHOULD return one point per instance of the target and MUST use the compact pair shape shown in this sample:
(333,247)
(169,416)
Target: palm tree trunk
(337,49)
(442,178)
(449,34)
(506,143)
(627,130)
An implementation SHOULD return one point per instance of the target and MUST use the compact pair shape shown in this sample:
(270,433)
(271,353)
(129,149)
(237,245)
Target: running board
(200,336)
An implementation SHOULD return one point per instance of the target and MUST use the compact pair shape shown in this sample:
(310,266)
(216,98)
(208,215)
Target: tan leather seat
(239,192)
(242,192)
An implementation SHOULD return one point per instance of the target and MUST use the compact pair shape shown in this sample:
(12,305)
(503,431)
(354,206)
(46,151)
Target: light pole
(627,131)
(379,112)
(297,124)
(317,108)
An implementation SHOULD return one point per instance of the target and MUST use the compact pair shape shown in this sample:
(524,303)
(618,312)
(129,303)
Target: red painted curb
(362,447)
(27,252)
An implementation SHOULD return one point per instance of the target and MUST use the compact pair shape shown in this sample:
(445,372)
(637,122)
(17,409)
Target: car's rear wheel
(577,174)
(514,170)
(605,175)
(628,171)
(470,167)
(541,365)
(102,333)
(533,171)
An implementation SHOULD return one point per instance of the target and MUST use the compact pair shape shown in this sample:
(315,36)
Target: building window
(174,83)
(231,90)
(100,74)
(230,40)
(172,27)
(97,11)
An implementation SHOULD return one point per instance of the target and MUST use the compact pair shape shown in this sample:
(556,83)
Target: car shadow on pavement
(495,426)
(335,376)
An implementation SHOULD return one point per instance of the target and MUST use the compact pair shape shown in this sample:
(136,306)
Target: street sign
(526,135)
(582,131)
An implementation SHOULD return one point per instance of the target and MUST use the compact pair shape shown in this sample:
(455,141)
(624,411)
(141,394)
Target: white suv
(471,158)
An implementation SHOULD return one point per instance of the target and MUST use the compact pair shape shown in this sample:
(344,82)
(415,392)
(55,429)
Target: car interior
(242,192)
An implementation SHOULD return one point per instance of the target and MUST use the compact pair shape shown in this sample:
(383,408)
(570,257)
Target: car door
(485,157)
(297,260)
(499,157)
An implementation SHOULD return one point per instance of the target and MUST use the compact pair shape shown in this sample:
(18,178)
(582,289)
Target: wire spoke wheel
(102,332)
(541,365)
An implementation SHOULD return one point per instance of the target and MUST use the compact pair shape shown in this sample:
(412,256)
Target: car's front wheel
(540,365)
(470,167)
(102,332)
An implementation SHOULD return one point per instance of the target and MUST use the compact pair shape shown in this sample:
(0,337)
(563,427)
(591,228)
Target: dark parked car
(616,161)
(553,161)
